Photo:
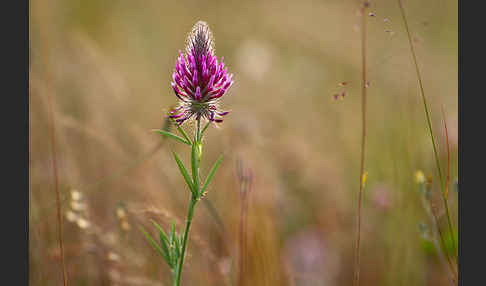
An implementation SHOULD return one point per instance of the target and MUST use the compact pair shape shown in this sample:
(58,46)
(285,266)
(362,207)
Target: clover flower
(199,80)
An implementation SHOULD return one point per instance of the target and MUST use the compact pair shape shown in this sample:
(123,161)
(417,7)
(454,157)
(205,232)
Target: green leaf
(159,228)
(195,167)
(171,243)
(211,173)
(177,247)
(172,233)
(184,173)
(204,129)
(171,135)
(181,131)
(164,242)
(156,246)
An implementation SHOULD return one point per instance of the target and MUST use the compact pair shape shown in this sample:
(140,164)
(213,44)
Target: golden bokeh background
(102,69)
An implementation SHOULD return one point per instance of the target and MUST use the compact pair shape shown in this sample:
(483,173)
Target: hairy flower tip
(200,39)
(199,80)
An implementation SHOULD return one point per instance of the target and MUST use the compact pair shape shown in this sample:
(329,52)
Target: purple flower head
(199,81)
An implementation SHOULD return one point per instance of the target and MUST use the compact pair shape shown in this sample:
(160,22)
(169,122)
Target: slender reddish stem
(363,141)
(52,133)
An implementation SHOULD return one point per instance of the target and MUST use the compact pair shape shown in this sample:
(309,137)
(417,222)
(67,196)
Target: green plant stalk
(429,124)
(190,214)
(173,249)
(192,204)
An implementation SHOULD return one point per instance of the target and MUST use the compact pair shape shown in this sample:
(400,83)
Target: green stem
(192,205)
(198,131)
(190,214)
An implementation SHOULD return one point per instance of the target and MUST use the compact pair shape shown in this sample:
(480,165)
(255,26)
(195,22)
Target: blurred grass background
(107,66)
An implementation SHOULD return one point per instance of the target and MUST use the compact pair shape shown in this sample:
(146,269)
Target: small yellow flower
(363,179)
(419,177)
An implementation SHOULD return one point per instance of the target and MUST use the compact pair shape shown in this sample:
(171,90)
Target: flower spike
(199,80)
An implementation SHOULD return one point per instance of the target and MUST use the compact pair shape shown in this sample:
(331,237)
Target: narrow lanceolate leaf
(159,228)
(172,234)
(211,173)
(204,129)
(183,133)
(156,246)
(184,173)
(164,241)
(171,244)
(172,135)
(195,167)
(177,247)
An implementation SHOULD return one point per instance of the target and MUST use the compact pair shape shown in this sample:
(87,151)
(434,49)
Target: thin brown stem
(52,133)
(363,141)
